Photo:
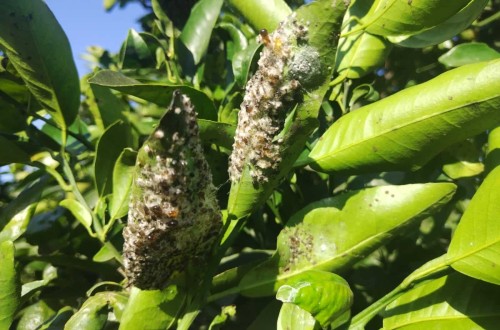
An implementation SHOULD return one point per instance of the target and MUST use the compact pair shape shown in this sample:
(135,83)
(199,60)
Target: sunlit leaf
(10,290)
(262,14)
(407,129)
(468,53)
(450,302)
(396,17)
(122,180)
(109,147)
(159,93)
(325,295)
(334,233)
(158,307)
(445,30)
(79,212)
(475,246)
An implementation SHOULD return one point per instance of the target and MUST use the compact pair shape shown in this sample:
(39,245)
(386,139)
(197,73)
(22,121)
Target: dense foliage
(353,147)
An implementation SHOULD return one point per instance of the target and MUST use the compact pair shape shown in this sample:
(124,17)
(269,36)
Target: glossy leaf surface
(159,93)
(10,290)
(30,36)
(407,129)
(78,211)
(123,173)
(475,246)
(198,29)
(325,295)
(109,147)
(445,30)
(468,53)
(396,17)
(262,14)
(450,302)
(159,307)
(334,233)
(293,317)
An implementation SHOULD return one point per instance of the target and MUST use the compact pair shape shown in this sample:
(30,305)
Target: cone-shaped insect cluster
(267,95)
(174,218)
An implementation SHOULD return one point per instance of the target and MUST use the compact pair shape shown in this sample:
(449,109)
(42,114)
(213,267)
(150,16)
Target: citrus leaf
(94,312)
(79,212)
(396,17)
(468,53)
(293,317)
(407,129)
(361,53)
(17,225)
(450,302)
(198,29)
(10,290)
(334,233)
(123,174)
(30,36)
(444,31)
(109,147)
(158,307)
(159,93)
(475,246)
(262,14)
(325,295)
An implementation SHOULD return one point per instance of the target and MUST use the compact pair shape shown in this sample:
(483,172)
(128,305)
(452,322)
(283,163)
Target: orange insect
(264,37)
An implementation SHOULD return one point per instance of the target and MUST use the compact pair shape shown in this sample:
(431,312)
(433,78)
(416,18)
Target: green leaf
(450,302)
(464,160)
(396,17)
(94,312)
(238,38)
(262,14)
(242,62)
(475,246)
(159,93)
(135,52)
(445,30)
(219,320)
(30,36)
(79,212)
(334,233)
(59,320)
(10,152)
(109,148)
(244,196)
(27,197)
(198,29)
(218,133)
(17,225)
(468,53)
(10,290)
(409,128)
(123,173)
(325,295)
(293,317)
(106,108)
(158,307)
(361,53)
(34,316)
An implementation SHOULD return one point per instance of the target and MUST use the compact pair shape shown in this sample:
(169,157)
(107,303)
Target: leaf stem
(432,268)
(488,20)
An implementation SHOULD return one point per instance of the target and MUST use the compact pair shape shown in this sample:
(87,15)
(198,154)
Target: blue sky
(86,23)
